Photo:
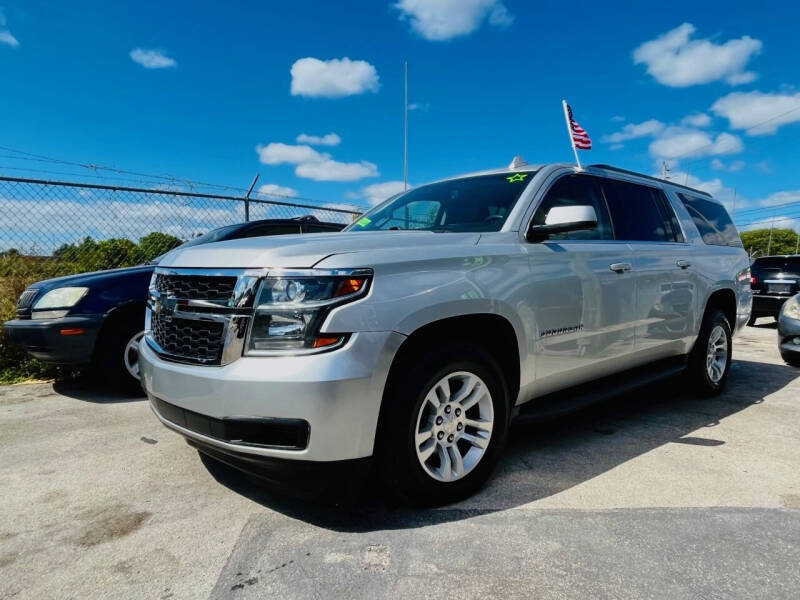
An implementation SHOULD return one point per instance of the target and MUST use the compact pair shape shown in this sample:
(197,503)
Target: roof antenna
(518,162)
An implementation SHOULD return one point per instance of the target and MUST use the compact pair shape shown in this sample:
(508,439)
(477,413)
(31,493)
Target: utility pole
(797,243)
(247,200)
(734,204)
(405,131)
(771,225)
(664,170)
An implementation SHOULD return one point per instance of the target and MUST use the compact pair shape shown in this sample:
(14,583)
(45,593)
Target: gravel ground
(654,494)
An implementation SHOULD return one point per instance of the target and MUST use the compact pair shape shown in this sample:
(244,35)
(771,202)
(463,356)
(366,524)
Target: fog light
(796,340)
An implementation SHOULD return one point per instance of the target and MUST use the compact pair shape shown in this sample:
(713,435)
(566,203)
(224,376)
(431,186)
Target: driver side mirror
(561,219)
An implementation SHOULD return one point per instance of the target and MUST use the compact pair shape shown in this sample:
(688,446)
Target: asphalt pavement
(654,494)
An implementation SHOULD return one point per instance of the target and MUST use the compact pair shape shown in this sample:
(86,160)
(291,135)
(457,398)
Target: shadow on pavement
(94,389)
(544,459)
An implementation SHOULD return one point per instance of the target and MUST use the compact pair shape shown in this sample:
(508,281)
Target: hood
(306,250)
(93,278)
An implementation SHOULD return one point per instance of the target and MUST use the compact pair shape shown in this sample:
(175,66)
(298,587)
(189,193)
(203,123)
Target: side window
(576,190)
(262,230)
(672,224)
(637,213)
(712,221)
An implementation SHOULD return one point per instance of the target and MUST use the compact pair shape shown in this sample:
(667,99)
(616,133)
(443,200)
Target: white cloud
(779,221)
(696,120)
(635,130)
(333,78)
(780,198)
(423,106)
(277,153)
(333,170)
(329,139)
(438,20)
(5,34)
(676,60)
(678,142)
(272,189)
(152,59)
(758,113)
(715,187)
(735,166)
(616,146)
(617,118)
(378,192)
(311,164)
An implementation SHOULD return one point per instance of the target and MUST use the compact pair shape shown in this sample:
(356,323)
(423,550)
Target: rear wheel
(446,425)
(710,361)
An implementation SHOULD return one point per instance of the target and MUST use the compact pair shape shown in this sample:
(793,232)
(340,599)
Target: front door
(582,293)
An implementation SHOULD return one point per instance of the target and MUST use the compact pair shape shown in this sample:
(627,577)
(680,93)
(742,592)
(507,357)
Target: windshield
(480,203)
(215,235)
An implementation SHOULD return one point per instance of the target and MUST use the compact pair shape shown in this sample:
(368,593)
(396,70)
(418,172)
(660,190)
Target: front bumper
(43,338)
(338,394)
(788,331)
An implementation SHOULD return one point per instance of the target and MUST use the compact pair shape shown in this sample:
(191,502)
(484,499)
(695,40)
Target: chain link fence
(53,228)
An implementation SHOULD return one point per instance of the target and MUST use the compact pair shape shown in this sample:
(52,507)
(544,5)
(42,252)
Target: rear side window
(638,212)
(712,221)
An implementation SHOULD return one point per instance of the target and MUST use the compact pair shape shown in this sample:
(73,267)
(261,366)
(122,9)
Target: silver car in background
(411,340)
(789,331)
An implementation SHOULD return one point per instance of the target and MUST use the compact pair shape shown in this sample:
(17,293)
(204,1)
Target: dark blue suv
(97,318)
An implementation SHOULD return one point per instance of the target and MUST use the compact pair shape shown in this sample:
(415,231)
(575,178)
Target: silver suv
(415,337)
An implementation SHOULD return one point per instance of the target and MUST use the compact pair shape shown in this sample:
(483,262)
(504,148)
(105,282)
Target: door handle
(683,264)
(620,267)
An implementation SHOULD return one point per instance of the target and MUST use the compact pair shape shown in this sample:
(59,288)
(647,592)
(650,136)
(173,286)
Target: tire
(117,358)
(791,358)
(705,379)
(455,368)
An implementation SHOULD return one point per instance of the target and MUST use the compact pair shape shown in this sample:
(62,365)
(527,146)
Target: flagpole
(569,133)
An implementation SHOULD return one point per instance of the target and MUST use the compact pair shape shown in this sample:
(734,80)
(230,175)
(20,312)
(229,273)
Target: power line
(751,128)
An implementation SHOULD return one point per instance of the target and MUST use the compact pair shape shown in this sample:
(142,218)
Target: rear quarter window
(712,221)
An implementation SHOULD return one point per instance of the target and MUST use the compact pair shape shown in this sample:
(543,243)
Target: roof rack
(635,174)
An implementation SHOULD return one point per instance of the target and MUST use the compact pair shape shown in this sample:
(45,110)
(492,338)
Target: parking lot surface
(654,494)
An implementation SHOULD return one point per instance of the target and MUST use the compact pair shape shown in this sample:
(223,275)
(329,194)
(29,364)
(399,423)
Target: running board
(575,398)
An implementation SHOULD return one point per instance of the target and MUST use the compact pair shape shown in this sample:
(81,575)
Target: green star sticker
(517,177)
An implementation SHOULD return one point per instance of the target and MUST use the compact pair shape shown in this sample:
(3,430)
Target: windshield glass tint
(479,203)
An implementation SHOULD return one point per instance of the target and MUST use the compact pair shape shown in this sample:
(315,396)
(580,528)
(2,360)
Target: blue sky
(217,93)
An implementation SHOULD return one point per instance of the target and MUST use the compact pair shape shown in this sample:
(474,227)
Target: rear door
(662,263)
(581,295)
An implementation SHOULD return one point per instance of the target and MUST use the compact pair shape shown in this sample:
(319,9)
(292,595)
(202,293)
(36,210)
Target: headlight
(289,311)
(791,308)
(60,298)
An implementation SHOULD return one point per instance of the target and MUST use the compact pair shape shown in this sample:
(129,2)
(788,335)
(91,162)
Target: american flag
(579,135)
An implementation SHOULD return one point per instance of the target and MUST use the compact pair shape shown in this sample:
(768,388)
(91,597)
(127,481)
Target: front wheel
(118,353)
(710,361)
(447,423)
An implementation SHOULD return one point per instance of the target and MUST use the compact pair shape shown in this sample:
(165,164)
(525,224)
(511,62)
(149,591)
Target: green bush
(18,271)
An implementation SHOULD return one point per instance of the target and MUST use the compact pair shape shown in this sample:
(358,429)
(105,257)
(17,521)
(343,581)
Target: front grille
(196,287)
(25,301)
(199,341)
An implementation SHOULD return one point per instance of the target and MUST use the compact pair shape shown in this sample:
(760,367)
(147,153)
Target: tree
(757,242)
(156,243)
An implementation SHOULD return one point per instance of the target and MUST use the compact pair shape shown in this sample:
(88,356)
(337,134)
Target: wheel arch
(492,331)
